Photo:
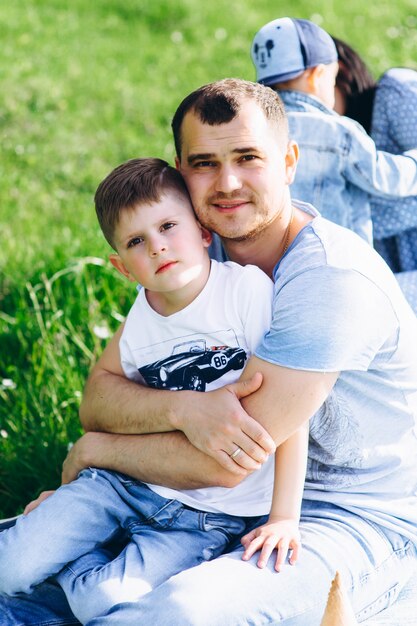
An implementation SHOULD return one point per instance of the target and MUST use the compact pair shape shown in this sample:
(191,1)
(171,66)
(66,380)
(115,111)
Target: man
(339,351)
(340,170)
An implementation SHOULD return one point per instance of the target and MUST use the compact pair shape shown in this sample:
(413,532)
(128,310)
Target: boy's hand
(279,533)
(220,427)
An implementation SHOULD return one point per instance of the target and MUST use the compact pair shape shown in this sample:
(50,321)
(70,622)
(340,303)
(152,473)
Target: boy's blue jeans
(374,564)
(75,524)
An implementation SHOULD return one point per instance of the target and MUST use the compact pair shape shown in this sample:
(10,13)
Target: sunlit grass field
(84,86)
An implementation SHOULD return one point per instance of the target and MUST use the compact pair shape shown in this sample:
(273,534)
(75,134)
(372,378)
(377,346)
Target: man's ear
(291,160)
(177,163)
(117,262)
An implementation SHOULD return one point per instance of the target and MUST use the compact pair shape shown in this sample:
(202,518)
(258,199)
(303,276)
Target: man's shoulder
(323,243)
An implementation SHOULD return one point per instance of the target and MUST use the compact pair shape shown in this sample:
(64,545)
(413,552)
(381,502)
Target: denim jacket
(340,169)
(394,129)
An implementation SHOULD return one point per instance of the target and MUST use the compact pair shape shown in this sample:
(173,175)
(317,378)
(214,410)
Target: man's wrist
(80,449)
(180,401)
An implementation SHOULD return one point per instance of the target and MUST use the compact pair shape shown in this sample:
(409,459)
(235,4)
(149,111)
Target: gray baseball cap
(284,48)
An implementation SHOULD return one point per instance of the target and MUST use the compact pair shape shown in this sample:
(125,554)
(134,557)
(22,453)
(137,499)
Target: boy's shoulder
(324,130)
(229,271)
(240,281)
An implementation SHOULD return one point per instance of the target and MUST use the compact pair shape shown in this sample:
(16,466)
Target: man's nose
(228,180)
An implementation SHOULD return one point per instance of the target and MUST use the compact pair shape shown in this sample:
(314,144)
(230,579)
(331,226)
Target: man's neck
(263,249)
(261,252)
(267,248)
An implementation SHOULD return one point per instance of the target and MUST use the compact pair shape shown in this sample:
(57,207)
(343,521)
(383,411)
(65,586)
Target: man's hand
(221,428)
(34,503)
(279,533)
(75,460)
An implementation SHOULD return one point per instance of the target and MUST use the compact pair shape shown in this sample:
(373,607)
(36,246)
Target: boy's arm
(281,530)
(290,472)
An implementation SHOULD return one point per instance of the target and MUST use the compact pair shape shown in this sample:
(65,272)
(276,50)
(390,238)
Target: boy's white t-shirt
(205,346)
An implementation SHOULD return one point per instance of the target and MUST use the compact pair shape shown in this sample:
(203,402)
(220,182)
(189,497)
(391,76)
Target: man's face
(237,173)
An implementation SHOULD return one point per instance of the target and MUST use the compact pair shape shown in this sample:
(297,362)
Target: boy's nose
(156,246)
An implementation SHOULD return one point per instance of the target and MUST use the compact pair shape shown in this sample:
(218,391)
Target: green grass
(85,86)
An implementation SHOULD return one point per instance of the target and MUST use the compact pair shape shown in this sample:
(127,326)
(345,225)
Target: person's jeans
(75,525)
(374,565)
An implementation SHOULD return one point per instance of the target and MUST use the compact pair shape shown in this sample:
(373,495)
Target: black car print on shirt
(192,366)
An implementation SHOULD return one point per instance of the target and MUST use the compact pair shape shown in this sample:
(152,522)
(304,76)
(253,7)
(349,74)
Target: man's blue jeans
(78,521)
(374,565)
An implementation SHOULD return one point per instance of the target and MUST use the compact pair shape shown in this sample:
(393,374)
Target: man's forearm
(116,404)
(112,403)
(166,459)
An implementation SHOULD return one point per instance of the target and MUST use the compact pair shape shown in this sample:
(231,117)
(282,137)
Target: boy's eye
(134,242)
(167,225)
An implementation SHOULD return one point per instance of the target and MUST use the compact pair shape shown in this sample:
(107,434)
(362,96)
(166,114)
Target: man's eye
(201,164)
(249,157)
(134,242)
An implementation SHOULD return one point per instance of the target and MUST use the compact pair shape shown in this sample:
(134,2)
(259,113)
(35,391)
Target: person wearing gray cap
(340,170)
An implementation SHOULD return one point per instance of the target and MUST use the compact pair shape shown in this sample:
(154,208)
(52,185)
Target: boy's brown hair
(135,182)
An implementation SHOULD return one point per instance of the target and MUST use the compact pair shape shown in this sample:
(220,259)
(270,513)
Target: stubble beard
(232,229)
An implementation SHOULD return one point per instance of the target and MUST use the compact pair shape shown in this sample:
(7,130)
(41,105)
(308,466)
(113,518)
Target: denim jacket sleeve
(379,173)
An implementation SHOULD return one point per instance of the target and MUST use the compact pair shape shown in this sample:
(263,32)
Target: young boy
(193,326)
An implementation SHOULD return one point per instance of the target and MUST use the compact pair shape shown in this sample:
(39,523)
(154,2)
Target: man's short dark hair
(219,103)
(135,182)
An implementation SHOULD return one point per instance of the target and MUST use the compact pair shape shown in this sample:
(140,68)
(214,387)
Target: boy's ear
(313,77)
(177,163)
(117,262)
(206,236)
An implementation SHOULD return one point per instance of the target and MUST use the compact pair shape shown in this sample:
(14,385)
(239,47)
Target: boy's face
(161,245)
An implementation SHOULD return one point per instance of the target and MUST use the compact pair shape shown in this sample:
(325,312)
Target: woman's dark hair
(356,83)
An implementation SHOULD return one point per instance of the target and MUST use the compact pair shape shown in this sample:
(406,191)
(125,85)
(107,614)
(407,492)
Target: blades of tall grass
(59,322)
